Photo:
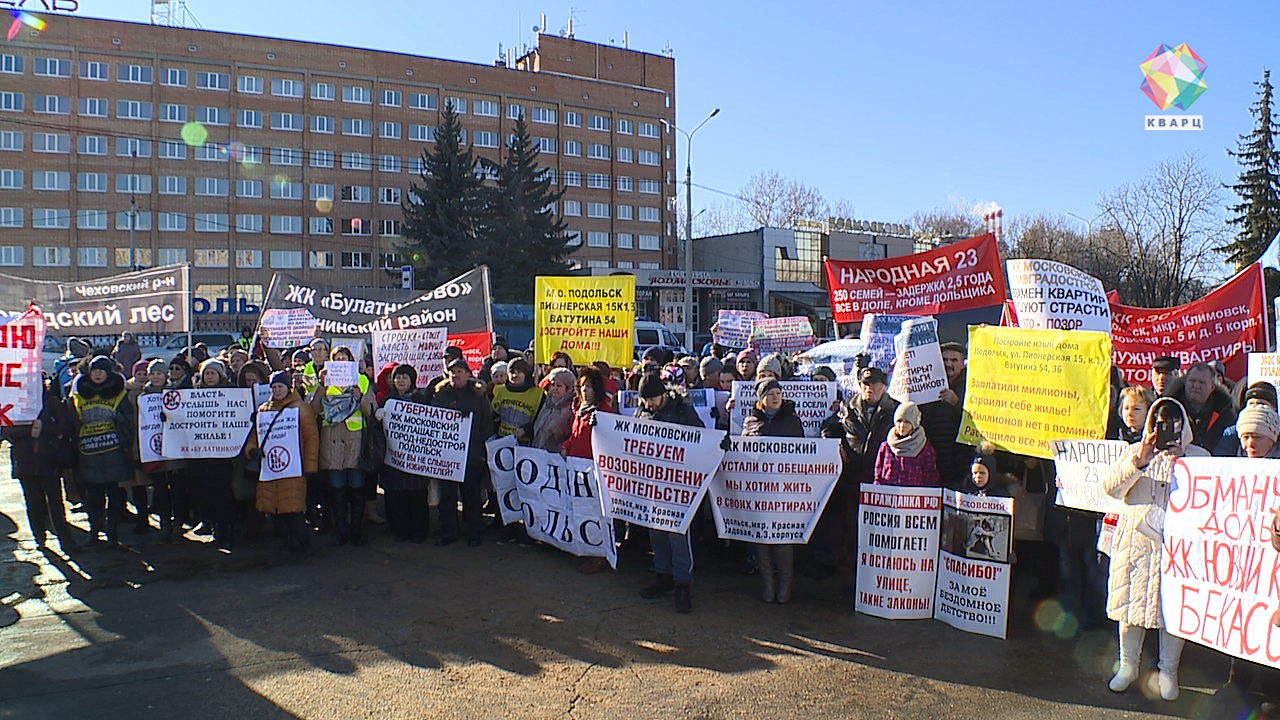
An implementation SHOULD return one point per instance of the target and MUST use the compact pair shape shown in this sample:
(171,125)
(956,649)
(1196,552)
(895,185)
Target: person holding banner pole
(108,429)
(776,417)
(672,552)
(1142,478)
(465,394)
(286,498)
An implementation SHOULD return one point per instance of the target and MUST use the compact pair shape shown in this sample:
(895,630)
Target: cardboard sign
(653,473)
(423,348)
(703,400)
(898,551)
(427,441)
(341,373)
(973,566)
(771,490)
(812,401)
(918,373)
(261,394)
(1048,295)
(878,334)
(589,318)
(782,335)
(557,499)
(291,328)
(21,383)
(206,423)
(1264,367)
(1080,465)
(281,452)
(733,327)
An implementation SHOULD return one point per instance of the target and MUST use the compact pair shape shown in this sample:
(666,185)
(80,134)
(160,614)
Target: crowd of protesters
(83,449)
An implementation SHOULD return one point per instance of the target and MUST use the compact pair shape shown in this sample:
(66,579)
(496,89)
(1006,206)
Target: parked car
(649,334)
(214,340)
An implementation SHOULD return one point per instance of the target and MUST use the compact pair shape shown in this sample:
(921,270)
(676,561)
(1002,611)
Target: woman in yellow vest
(342,419)
(108,431)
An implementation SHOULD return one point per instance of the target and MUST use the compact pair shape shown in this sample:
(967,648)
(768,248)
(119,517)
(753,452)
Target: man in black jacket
(463,393)
(1209,407)
(941,419)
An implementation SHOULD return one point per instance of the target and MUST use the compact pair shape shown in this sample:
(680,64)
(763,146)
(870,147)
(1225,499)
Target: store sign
(676,278)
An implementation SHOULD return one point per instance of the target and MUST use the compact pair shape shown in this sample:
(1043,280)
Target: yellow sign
(1028,387)
(590,318)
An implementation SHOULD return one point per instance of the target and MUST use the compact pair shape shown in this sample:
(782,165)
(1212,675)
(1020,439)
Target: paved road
(409,631)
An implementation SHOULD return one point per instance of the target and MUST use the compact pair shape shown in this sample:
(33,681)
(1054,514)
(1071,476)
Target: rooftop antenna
(625,44)
(173,13)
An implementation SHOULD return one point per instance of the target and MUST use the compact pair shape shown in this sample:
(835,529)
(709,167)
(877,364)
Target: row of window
(622,241)
(626,265)
(55,256)
(56,218)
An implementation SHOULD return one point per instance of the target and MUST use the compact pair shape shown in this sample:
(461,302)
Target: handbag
(373,447)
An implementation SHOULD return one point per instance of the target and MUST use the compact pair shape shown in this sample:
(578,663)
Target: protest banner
(897,551)
(1220,577)
(589,318)
(918,373)
(703,400)
(973,566)
(782,335)
(21,383)
(205,423)
(427,441)
(653,473)
(150,429)
(556,498)
(1227,325)
(290,328)
(355,345)
(878,334)
(153,301)
(1264,367)
(1048,295)
(461,306)
(281,452)
(261,394)
(771,490)
(961,276)
(1080,465)
(733,327)
(341,373)
(423,348)
(812,403)
(1027,387)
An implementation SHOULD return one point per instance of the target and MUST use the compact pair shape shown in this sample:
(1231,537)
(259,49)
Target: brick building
(246,155)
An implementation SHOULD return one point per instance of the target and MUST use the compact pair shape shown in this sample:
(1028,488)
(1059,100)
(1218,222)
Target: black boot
(356,507)
(684,597)
(662,584)
(338,501)
(224,536)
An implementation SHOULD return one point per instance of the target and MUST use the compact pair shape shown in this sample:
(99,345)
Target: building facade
(247,155)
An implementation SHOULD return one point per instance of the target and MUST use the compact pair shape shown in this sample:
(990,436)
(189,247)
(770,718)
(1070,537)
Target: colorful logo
(1173,76)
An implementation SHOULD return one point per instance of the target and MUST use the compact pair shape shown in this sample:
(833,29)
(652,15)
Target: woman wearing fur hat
(287,497)
(906,457)
(1142,478)
(776,417)
(108,429)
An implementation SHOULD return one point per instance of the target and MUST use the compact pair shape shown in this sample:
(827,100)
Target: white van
(649,334)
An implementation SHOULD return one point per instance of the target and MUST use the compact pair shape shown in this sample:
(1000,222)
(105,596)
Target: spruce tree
(444,212)
(1257,215)
(525,236)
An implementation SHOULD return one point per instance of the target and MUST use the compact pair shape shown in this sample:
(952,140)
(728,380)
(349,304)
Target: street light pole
(133,213)
(1088,225)
(688,228)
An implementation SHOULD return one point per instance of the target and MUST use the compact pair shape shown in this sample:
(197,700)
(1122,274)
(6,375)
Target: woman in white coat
(1142,479)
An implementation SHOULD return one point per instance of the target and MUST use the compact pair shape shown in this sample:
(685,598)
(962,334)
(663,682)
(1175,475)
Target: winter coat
(579,442)
(1208,425)
(1133,586)
(554,423)
(127,353)
(55,419)
(941,423)
(783,424)
(675,409)
(918,471)
(395,479)
(108,429)
(339,444)
(515,407)
(861,439)
(288,495)
(470,399)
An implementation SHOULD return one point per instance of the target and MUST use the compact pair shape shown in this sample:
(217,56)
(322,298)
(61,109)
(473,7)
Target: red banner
(1227,325)
(961,276)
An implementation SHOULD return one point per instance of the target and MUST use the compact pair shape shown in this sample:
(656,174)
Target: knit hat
(710,366)
(282,377)
(673,374)
(78,347)
(214,364)
(771,363)
(822,371)
(498,367)
(157,365)
(140,365)
(986,460)
(300,355)
(651,386)
(104,363)
(764,385)
(908,411)
(1258,419)
(1261,390)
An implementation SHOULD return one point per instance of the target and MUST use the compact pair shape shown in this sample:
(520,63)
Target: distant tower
(173,13)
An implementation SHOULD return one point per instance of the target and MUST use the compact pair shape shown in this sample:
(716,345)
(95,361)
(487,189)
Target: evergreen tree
(525,236)
(1257,215)
(444,213)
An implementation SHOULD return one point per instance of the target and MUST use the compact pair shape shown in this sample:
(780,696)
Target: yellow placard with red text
(1026,388)
(590,318)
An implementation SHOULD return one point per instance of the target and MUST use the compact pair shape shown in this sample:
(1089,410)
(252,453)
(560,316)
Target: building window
(58,143)
(321,158)
(280,87)
(545,145)
(91,257)
(211,257)
(355,193)
(170,256)
(389,196)
(170,112)
(485,139)
(172,185)
(249,84)
(11,101)
(249,188)
(91,182)
(649,186)
(599,181)
(286,156)
(10,179)
(357,127)
(389,130)
(649,214)
(624,126)
(624,154)
(130,147)
(129,109)
(11,140)
(174,77)
(624,212)
(140,74)
(624,241)
(322,124)
(92,220)
(213,81)
(572,208)
(648,129)
(286,224)
(170,150)
(141,221)
(210,152)
(43,256)
(357,261)
(648,157)
(597,151)
(171,222)
(212,187)
(12,64)
(573,148)
(390,261)
(322,91)
(422,133)
(598,210)
(572,178)
(52,67)
(624,183)
(545,116)
(122,257)
(286,259)
(249,224)
(58,105)
(599,122)
(59,181)
(91,145)
(322,191)
(218,116)
(390,98)
(11,255)
(93,107)
(321,226)
(597,239)
(459,104)
(485,108)
(806,266)
(649,242)
(572,118)
(357,161)
(321,259)
(357,94)
(422,101)
(286,121)
(390,228)
(514,112)
(417,166)
(50,218)
(284,189)
(357,226)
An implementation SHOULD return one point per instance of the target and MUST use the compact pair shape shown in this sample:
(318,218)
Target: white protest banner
(812,400)
(782,334)
(341,373)
(21,384)
(261,394)
(1264,367)
(653,473)
(878,334)
(973,567)
(898,551)
(1050,295)
(1219,585)
(556,498)
(287,328)
(427,441)
(281,452)
(1080,465)
(355,345)
(918,374)
(423,348)
(733,327)
(150,429)
(703,400)
(771,490)
(206,423)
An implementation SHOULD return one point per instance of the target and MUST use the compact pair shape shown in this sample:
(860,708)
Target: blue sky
(896,107)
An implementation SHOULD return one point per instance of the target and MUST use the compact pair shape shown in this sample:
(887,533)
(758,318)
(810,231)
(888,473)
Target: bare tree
(1047,237)
(1158,234)
(774,201)
(944,225)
